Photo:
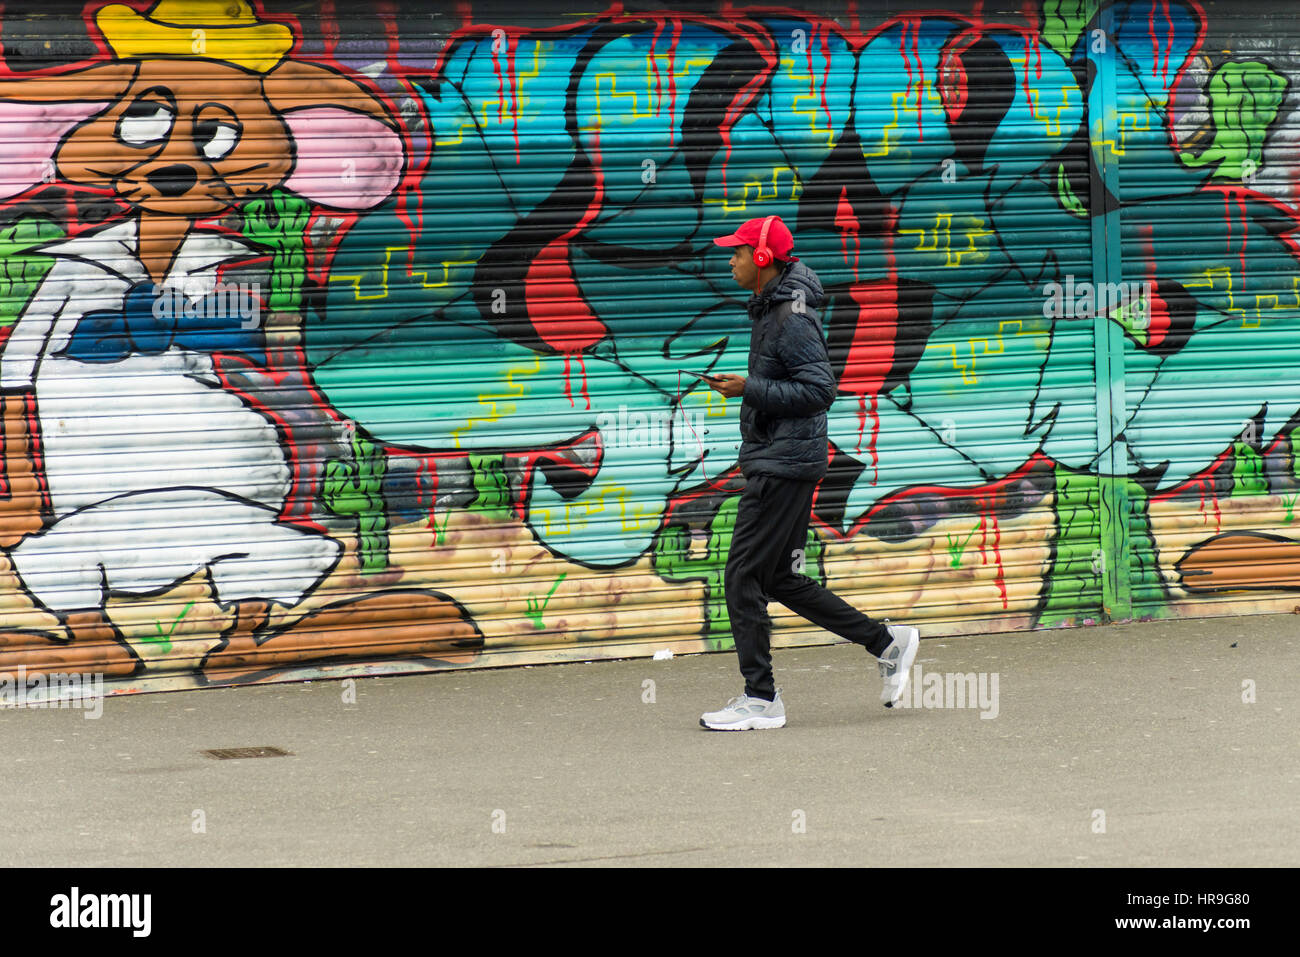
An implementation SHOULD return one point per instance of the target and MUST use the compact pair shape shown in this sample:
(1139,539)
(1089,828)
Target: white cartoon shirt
(154,469)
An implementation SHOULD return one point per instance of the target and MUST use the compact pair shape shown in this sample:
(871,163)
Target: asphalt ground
(1158,744)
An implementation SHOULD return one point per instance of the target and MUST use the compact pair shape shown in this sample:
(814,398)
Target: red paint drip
(862,421)
(672,83)
(1205,487)
(1170,38)
(826,75)
(1158,321)
(1245,235)
(386,10)
(847,223)
(1029,100)
(501,85)
(763,46)
(997,554)
(907,61)
(555,305)
(582,364)
(1155,42)
(329,28)
(1029,10)
(514,93)
(988,517)
(654,65)
(511,43)
(812,79)
(920,86)
(871,356)
(875,435)
(568,387)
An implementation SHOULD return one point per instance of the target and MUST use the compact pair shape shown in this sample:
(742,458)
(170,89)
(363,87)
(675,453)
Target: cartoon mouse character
(155,470)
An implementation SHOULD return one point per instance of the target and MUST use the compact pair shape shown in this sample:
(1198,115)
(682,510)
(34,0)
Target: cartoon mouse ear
(42,110)
(30,160)
(347,153)
(359,174)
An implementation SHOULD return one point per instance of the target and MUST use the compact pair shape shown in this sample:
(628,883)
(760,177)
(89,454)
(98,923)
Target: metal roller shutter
(350,339)
(1204,174)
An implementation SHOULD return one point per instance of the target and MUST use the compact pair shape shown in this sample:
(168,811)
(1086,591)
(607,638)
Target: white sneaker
(896,662)
(744,713)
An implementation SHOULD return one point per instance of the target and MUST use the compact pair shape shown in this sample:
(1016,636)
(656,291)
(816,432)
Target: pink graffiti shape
(42,126)
(356,176)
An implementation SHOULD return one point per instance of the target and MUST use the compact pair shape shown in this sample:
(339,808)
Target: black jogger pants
(767,546)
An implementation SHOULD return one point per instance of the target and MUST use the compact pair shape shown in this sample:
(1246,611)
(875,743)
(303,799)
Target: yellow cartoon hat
(208,29)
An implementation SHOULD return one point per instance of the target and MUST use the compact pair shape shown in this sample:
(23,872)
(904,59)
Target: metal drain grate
(225,754)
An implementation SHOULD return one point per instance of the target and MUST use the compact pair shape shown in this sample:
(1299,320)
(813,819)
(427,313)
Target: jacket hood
(796,281)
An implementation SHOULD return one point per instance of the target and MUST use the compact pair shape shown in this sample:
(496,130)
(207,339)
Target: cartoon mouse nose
(174,180)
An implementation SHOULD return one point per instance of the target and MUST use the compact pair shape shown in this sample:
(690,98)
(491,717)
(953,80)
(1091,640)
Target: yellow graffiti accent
(713,405)
(447,266)
(940,239)
(664,61)
(815,110)
(1035,96)
(355,278)
(1218,279)
(885,130)
(521,100)
(982,347)
(460,130)
(1053,127)
(715,409)
(580,512)
(927,95)
(796,189)
(500,404)
(1098,143)
(1129,123)
(967,378)
(614,94)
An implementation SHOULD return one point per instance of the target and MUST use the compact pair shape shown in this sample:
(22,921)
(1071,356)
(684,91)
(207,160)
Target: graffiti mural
(339,346)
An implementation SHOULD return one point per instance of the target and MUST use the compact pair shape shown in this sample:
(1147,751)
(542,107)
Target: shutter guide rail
(1112,463)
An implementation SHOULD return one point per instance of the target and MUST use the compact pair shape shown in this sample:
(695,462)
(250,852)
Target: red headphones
(763,255)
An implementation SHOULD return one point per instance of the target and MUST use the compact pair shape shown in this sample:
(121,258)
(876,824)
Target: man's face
(743,269)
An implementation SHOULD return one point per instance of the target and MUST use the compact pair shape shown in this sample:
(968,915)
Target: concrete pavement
(1162,743)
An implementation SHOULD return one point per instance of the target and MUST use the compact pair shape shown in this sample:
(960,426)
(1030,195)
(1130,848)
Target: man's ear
(347,151)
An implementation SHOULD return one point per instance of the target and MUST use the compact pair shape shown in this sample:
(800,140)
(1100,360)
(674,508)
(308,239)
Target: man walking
(783,455)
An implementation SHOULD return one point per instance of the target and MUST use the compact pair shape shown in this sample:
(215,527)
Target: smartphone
(700,375)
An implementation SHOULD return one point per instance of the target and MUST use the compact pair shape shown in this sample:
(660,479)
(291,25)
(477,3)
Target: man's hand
(728,385)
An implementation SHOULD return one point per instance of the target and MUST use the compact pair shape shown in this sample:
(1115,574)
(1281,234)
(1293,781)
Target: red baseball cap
(779,240)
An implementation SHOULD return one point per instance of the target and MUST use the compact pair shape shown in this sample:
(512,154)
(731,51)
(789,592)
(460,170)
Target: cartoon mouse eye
(145,123)
(216,139)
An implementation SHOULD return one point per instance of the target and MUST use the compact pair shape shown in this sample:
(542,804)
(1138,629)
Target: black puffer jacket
(790,384)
